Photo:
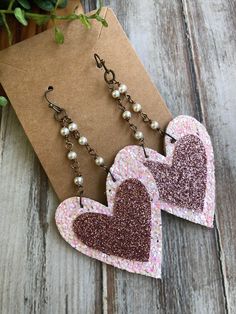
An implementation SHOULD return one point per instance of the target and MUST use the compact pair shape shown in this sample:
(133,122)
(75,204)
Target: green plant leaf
(84,20)
(20,16)
(3,101)
(40,19)
(45,5)
(25,4)
(63,3)
(59,37)
(60,3)
(102,20)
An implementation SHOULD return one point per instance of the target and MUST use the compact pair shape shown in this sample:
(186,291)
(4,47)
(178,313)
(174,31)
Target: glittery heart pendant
(185,177)
(126,233)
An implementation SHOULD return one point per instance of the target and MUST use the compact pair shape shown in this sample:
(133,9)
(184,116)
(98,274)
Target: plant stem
(7,28)
(72,16)
(40,19)
(11,4)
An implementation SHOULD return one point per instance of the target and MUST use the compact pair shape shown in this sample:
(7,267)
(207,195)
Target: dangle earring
(69,130)
(185,178)
(119,92)
(127,232)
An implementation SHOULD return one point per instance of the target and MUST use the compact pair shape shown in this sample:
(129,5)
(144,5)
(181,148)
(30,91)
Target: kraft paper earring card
(29,67)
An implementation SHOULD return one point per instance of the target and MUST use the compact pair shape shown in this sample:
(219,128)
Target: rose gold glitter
(184,183)
(123,169)
(180,127)
(127,233)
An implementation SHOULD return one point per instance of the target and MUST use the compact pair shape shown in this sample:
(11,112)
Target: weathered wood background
(189,49)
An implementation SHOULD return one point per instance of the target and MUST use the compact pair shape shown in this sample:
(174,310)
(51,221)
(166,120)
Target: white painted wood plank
(213,25)
(15,179)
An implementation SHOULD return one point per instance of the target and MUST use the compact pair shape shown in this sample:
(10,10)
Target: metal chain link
(132,126)
(75,165)
(112,83)
(61,116)
(65,121)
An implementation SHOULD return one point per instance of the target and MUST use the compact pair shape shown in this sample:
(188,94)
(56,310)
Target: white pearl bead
(137,107)
(64,131)
(83,140)
(154,125)
(138,135)
(115,93)
(72,155)
(123,88)
(99,161)
(79,180)
(126,115)
(72,126)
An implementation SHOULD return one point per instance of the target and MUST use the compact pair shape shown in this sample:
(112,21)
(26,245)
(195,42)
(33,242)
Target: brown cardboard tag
(28,68)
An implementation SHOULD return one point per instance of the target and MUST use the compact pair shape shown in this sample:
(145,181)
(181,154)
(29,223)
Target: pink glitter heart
(145,257)
(127,233)
(183,184)
(185,177)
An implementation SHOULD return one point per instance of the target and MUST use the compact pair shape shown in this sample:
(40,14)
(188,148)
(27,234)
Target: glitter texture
(201,212)
(184,182)
(127,232)
(123,170)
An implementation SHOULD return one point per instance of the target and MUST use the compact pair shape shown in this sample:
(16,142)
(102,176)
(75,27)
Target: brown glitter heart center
(127,233)
(184,183)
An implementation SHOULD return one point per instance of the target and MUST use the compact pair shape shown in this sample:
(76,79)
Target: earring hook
(109,75)
(100,62)
(51,104)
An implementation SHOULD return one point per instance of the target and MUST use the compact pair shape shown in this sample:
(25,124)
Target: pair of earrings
(141,182)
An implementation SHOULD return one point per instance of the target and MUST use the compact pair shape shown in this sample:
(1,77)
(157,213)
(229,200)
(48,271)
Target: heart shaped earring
(127,232)
(185,177)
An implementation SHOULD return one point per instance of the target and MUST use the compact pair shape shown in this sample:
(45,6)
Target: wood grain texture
(188,47)
(213,44)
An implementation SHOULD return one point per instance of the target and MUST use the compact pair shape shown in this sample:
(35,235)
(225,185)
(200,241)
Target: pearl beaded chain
(137,108)
(83,141)
(69,130)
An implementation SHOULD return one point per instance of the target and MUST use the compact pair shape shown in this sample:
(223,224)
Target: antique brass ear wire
(107,72)
(119,92)
(60,113)
(51,104)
